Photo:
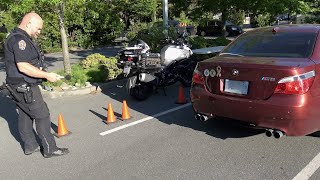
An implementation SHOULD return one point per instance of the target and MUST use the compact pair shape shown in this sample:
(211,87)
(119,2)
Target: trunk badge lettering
(268,79)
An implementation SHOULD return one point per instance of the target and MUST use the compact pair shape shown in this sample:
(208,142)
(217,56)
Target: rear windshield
(267,44)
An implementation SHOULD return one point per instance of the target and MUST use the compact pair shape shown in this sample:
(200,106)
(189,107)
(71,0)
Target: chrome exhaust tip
(269,132)
(197,116)
(203,118)
(278,134)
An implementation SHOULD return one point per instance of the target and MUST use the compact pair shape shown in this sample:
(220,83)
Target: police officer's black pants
(38,112)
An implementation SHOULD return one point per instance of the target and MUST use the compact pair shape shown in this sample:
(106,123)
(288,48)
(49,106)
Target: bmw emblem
(235,72)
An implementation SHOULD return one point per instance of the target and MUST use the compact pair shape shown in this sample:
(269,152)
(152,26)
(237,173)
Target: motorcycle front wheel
(139,90)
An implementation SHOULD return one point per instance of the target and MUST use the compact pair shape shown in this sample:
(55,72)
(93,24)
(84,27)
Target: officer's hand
(53,77)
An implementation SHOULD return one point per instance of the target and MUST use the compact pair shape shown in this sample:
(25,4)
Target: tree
(135,10)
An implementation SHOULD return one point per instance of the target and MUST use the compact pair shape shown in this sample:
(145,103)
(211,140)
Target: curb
(94,89)
(68,93)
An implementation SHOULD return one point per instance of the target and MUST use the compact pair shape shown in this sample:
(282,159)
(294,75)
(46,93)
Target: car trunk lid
(250,77)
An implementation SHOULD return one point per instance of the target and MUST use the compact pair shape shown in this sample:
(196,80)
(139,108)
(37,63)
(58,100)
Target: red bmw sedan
(268,78)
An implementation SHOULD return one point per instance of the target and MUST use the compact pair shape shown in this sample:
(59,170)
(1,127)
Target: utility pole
(165,16)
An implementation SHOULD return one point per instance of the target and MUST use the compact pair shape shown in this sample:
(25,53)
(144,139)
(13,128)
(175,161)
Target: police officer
(24,62)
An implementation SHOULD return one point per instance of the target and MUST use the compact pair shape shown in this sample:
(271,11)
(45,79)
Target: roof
(292,28)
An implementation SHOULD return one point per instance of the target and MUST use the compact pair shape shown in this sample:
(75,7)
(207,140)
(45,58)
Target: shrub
(109,66)
(112,70)
(101,69)
(263,19)
(93,60)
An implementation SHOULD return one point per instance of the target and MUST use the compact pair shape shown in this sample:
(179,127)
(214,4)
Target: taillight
(130,58)
(298,84)
(197,77)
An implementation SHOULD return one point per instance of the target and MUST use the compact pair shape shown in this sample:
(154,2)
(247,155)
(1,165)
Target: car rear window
(268,44)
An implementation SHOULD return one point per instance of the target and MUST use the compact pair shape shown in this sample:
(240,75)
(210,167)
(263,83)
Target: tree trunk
(154,16)
(224,16)
(64,42)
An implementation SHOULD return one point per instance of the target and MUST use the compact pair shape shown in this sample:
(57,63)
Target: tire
(139,91)
(186,78)
(316,134)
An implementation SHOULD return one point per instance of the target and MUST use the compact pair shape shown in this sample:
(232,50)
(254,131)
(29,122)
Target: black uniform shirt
(21,47)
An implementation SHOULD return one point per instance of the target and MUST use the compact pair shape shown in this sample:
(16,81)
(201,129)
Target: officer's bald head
(32,23)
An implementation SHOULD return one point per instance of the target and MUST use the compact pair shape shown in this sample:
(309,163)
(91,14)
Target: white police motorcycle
(152,71)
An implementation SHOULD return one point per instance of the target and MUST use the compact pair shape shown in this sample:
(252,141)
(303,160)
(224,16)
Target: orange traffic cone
(110,116)
(62,128)
(181,98)
(125,111)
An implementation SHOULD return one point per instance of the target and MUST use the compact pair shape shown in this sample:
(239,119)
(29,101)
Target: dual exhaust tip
(201,117)
(275,133)
(269,132)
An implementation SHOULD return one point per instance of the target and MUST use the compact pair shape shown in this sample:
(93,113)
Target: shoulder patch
(22,45)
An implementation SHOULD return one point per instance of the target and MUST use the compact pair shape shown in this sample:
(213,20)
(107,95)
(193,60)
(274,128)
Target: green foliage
(97,73)
(93,60)
(184,19)
(95,23)
(236,16)
(312,20)
(78,75)
(155,35)
(263,20)
(110,65)
(95,68)
(100,63)
(135,29)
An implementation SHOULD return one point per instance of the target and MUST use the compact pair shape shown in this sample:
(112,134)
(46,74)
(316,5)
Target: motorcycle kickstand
(164,91)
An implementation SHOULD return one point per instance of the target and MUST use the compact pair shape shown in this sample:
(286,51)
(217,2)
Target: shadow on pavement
(8,113)
(219,128)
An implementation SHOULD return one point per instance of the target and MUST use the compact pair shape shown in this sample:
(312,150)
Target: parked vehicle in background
(191,30)
(215,27)
(267,78)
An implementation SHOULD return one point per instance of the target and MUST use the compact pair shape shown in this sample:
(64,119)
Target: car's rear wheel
(316,134)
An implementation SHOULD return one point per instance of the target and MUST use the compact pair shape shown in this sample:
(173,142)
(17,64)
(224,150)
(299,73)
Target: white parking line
(143,120)
(307,172)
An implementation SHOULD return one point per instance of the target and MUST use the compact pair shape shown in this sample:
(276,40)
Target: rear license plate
(236,87)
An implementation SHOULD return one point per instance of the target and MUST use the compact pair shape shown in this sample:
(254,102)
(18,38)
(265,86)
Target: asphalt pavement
(161,141)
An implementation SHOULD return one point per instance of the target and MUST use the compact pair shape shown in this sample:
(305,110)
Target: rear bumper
(290,114)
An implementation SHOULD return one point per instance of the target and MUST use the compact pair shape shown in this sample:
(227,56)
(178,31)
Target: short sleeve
(22,50)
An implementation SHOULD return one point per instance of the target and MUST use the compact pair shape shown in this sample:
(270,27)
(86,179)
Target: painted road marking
(143,120)
(307,172)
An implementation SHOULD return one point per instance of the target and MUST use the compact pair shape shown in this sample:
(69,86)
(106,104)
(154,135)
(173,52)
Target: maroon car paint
(296,115)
